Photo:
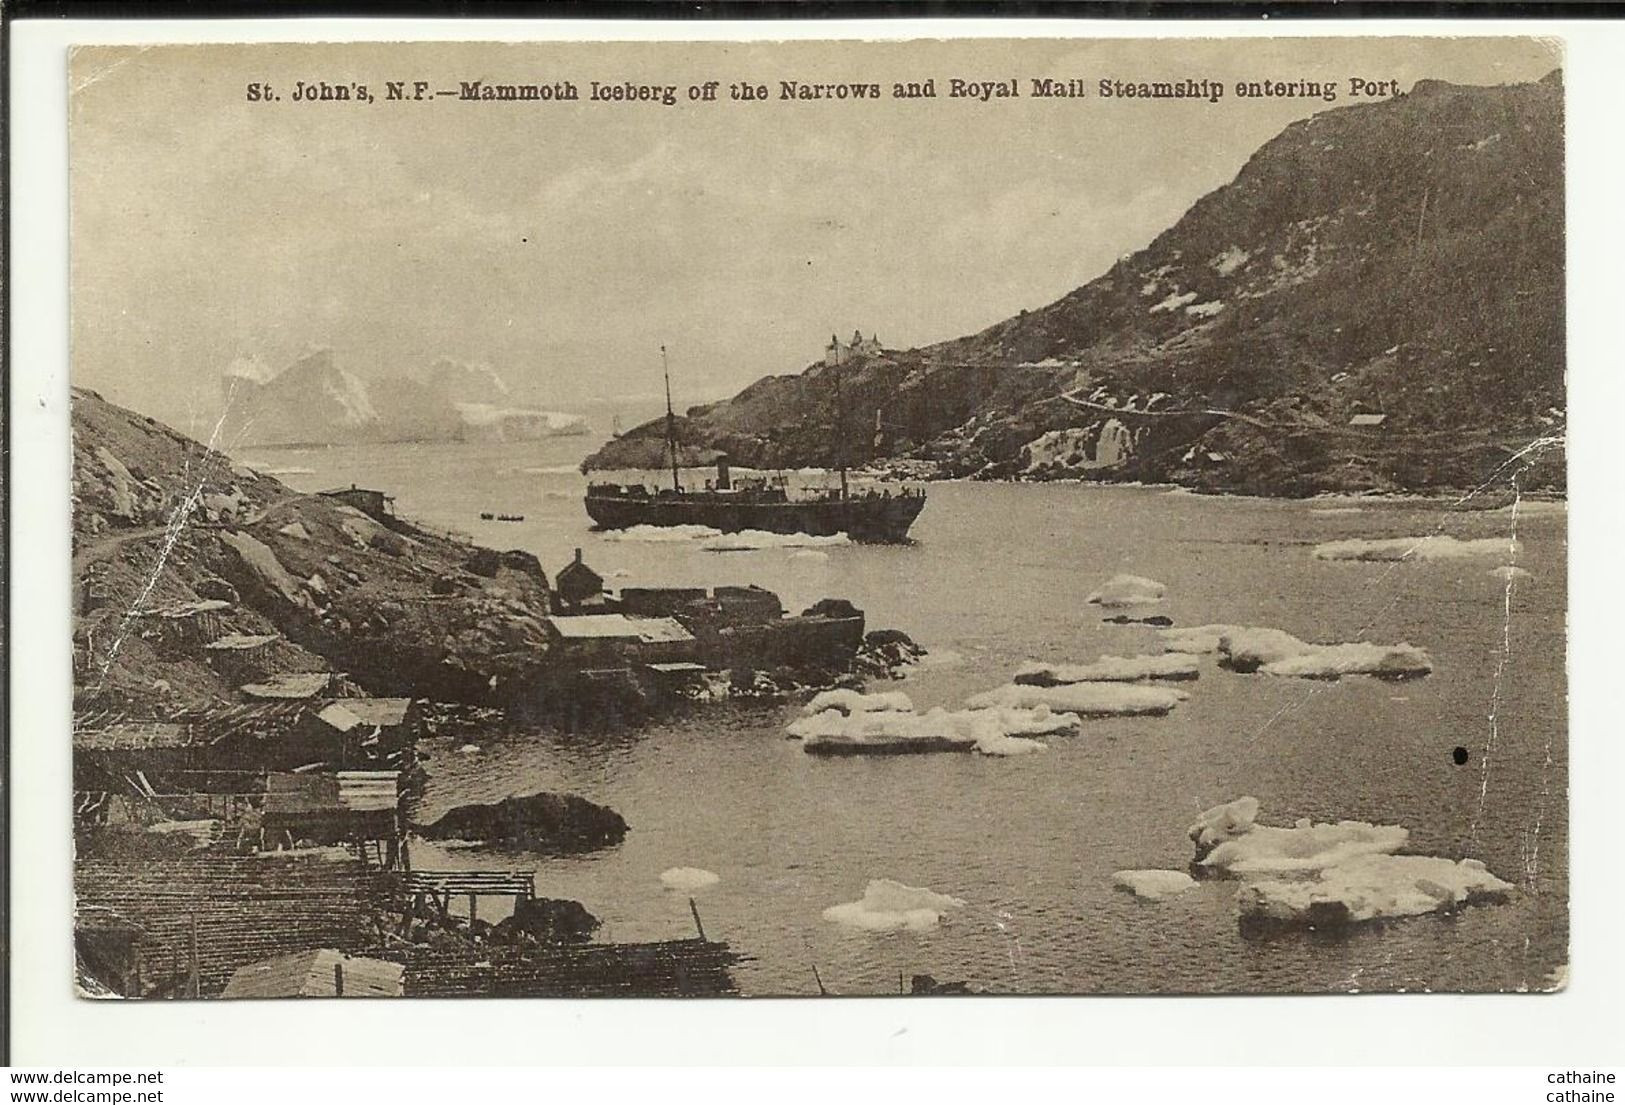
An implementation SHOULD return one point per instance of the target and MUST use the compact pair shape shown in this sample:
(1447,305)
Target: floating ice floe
(1328,511)
(1401,661)
(1108,669)
(1509,572)
(1276,652)
(1154,885)
(1304,848)
(856,702)
(1371,888)
(751,540)
(888,906)
(1126,590)
(1326,874)
(688,879)
(809,555)
(469,749)
(996,743)
(992,732)
(1083,699)
(1415,548)
(1229,838)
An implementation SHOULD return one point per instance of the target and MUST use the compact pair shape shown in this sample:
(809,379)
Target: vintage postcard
(1000,516)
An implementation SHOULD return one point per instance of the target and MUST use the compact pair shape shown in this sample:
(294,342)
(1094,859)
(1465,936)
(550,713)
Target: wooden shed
(317,973)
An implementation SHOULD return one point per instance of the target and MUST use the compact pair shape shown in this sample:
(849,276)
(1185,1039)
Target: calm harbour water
(998,575)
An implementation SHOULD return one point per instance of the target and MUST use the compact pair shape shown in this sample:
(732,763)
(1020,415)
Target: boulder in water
(550,921)
(539,822)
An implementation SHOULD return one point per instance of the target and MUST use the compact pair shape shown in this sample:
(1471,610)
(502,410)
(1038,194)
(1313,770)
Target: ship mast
(671,424)
(840,422)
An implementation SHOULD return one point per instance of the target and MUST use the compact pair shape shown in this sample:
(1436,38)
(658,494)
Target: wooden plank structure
(670,968)
(280,733)
(203,915)
(441,886)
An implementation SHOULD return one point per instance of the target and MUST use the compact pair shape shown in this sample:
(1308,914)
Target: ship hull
(875,518)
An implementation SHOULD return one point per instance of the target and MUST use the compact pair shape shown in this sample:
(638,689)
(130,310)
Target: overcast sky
(564,243)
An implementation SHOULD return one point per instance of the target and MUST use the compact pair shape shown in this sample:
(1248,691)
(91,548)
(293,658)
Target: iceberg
(688,880)
(1125,590)
(1108,669)
(1370,888)
(889,906)
(856,702)
(1153,885)
(1083,699)
(1436,547)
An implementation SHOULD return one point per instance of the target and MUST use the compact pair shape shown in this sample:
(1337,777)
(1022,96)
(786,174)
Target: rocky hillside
(161,524)
(1402,258)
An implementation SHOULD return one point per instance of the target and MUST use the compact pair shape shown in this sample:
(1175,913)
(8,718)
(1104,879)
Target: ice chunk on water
(1275,652)
(1108,669)
(1002,744)
(1125,590)
(1399,661)
(993,732)
(1509,572)
(1037,721)
(809,554)
(1437,547)
(833,732)
(856,702)
(1084,699)
(1369,888)
(750,540)
(1223,822)
(1305,847)
(1154,885)
(889,906)
(659,535)
(1249,648)
(688,879)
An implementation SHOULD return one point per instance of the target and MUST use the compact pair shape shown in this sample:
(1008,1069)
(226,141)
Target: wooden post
(695,910)
(194,985)
(338,980)
(473,910)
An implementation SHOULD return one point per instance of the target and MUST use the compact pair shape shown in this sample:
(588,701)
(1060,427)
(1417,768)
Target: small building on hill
(614,640)
(578,585)
(370,502)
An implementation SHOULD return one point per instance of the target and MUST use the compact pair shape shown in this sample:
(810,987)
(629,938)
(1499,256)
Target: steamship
(868,515)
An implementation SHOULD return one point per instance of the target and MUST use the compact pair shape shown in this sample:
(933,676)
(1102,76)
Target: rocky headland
(1374,304)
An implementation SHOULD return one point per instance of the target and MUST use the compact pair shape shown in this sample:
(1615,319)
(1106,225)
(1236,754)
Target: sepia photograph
(999,516)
